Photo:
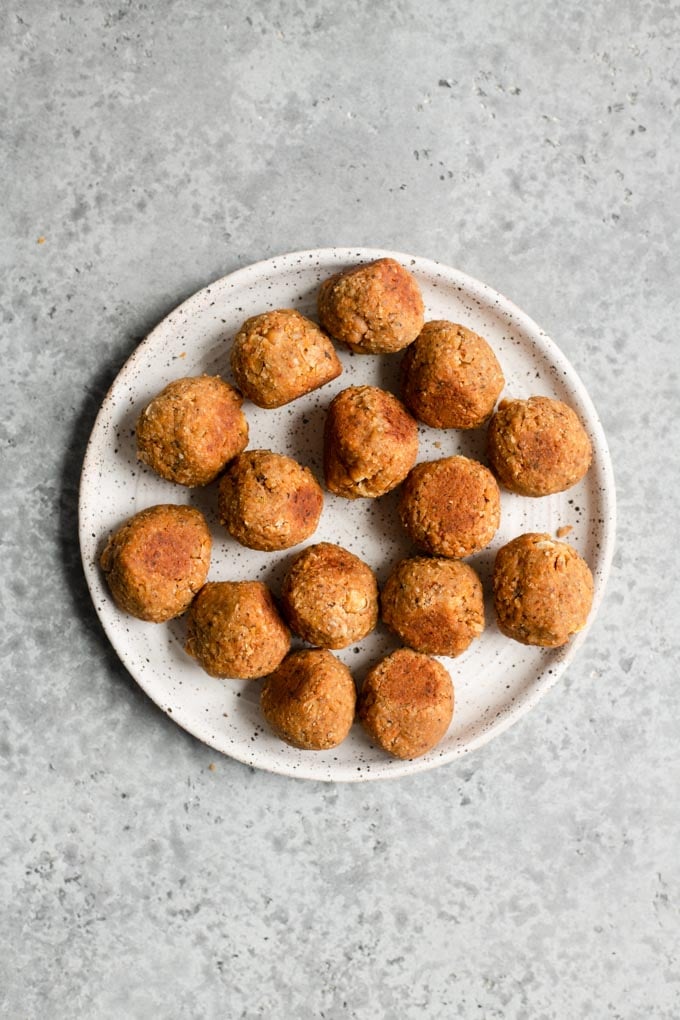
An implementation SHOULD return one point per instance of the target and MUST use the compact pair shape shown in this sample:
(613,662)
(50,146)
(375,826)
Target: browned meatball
(157,561)
(406,703)
(370,443)
(268,501)
(450,507)
(434,605)
(538,446)
(309,700)
(375,308)
(235,631)
(278,356)
(330,597)
(543,590)
(192,429)
(451,378)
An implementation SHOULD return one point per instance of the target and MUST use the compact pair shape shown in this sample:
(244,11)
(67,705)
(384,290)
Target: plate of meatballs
(346,514)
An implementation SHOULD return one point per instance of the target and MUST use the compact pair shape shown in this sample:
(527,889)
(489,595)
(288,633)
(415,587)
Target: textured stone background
(155,146)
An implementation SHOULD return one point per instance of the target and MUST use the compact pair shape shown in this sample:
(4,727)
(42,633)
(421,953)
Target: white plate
(496,680)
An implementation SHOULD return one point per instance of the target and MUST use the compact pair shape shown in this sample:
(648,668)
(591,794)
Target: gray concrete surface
(151,147)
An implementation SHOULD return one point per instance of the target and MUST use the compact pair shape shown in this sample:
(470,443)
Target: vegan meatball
(370,443)
(375,308)
(157,560)
(538,446)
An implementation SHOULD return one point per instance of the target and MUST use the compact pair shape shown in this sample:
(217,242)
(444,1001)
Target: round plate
(496,679)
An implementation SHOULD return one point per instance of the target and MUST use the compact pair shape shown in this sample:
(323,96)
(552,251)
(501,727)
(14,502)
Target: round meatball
(375,308)
(235,631)
(542,590)
(538,446)
(406,703)
(434,605)
(451,378)
(330,597)
(278,356)
(370,443)
(309,700)
(192,429)
(451,507)
(268,501)
(157,561)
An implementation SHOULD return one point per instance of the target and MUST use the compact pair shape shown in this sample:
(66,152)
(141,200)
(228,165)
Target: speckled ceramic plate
(496,680)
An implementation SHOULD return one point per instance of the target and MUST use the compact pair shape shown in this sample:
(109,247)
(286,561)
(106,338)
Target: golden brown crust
(406,703)
(192,429)
(434,605)
(370,443)
(157,561)
(543,590)
(451,378)
(450,507)
(374,309)
(538,446)
(278,356)
(268,501)
(309,700)
(235,631)
(330,596)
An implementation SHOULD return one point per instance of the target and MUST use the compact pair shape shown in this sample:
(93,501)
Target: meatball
(451,507)
(330,597)
(434,605)
(278,356)
(451,378)
(268,501)
(192,429)
(370,443)
(374,309)
(542,590)
(538,446)
(406,703)
(309,700)
(235,631)
(157,561)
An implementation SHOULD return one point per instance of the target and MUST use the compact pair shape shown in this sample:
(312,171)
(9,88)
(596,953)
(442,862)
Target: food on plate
(234,630)
(434,605)
(268,501)
(375,308)
(538,446)
(330,596)
(542,590)
(450,507)
(309,700)
(157,560)
(370,443)
(451,378)
(406,703)
(278,356)
(192,429)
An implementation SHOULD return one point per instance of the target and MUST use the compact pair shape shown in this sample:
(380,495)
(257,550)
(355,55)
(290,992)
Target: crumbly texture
(268,501)
(433,605)
(406,703)
(370,443)
(450,507)
(330,596)
(278,356)
(374,309)
(543,590)
(235,631)
(538,446)
(451,378)
(192,429)
(157,561)
(309,700)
